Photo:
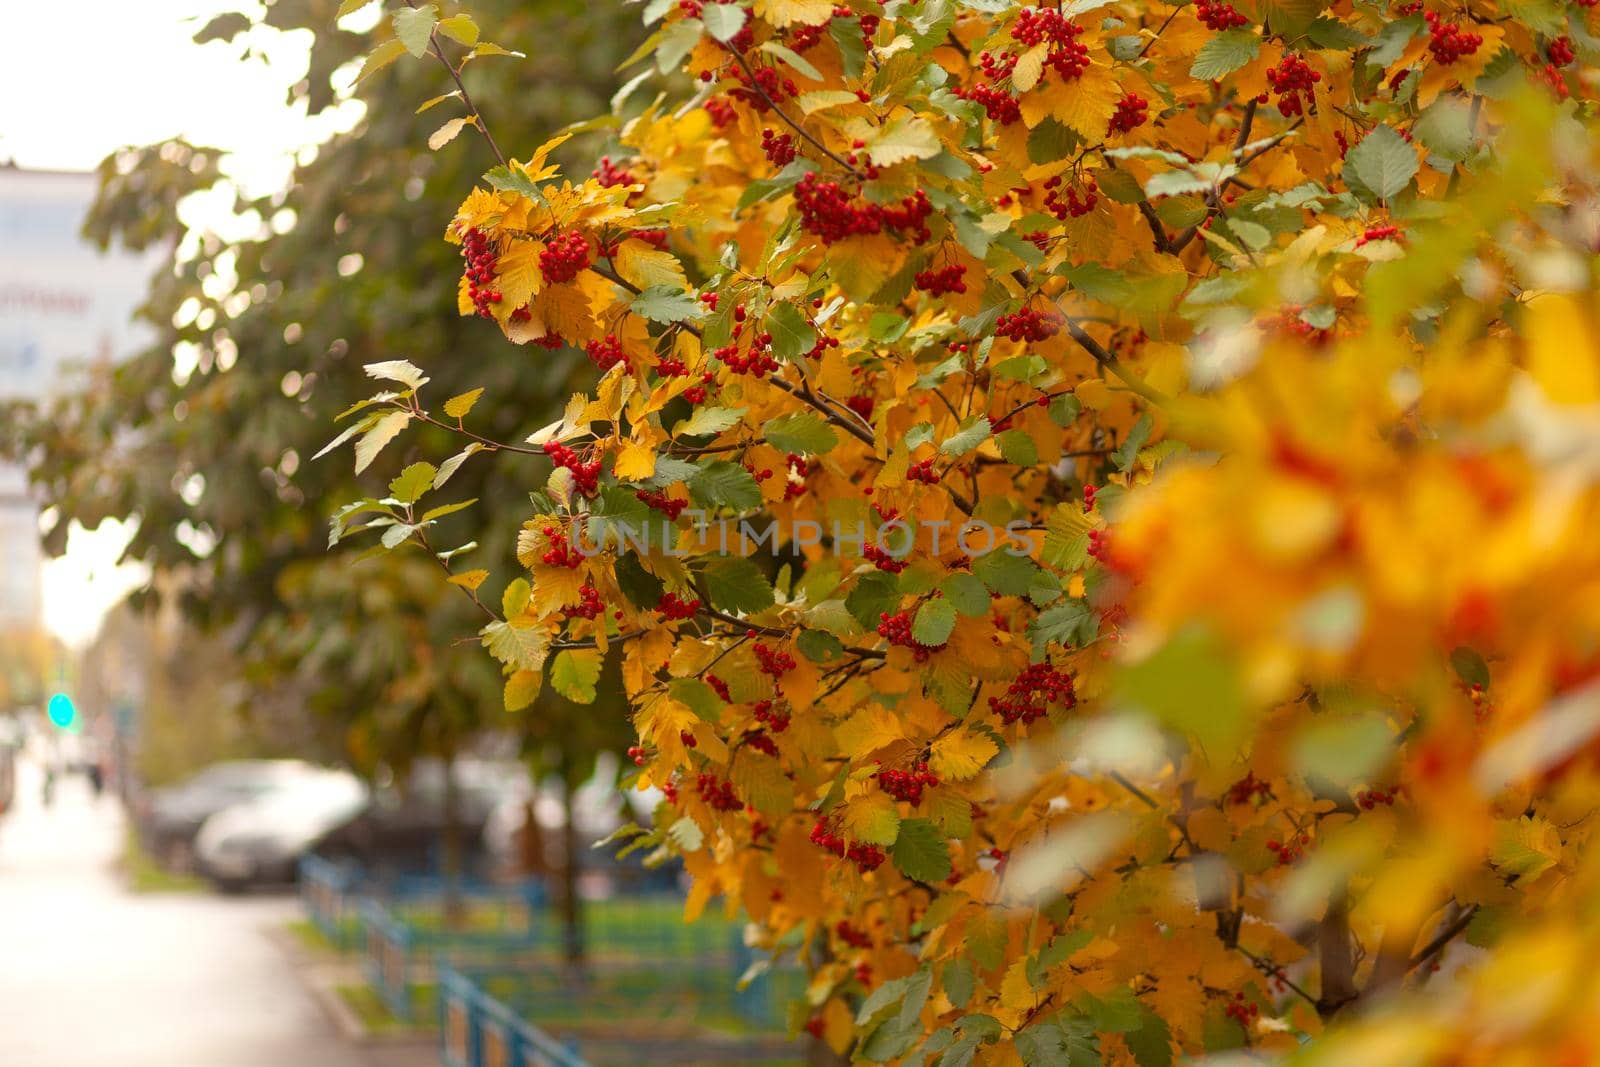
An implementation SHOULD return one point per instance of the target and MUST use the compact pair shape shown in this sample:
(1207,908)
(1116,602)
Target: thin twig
(466,97)
(755,86)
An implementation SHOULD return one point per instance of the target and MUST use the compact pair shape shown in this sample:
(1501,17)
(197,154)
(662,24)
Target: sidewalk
(94,976)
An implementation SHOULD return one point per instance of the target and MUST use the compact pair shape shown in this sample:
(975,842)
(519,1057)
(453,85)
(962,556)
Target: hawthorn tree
(1177,424)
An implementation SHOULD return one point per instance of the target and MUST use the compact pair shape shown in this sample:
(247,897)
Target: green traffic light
(63,713)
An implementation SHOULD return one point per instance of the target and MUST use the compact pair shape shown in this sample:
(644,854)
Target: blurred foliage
(215,462)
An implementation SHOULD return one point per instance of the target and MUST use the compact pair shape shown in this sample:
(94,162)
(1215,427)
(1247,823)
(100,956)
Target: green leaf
(1331,33)
(698,697)
(1344,749)
(1018,448)
(412,482)
(723,483)
(706,421)
(971,434)
(1151,1043)
(921,851)
(665,303)
(846,33)
(574,672)
(819,646)
(642,588)
(1004,573)
(959,982)
(967,593)
(723,21)
(762,784)
(1383,163)
(907,137)
(874,594)
(792,335)
(1445,128)
(934,621)
(1070,624)
(1129,450)
(1469,666)
(383,431)
(804,433)
(1190,685)
(736,585)
(414,27)
(1225,53)
(380,57)
(1290,18)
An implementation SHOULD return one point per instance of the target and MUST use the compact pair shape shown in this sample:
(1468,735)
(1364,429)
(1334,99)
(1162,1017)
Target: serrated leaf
(522,647)
(574,672)
(413,27)
(383,431)
(723,21)
(380,57)
(761,783)
(470,580)
(960,755)
(1225,53)
(522,687)
(972,434)
(792,335)
(453,464)
(736,585)
(723,483)
(460,28)
(934,621)
(666,304)
(873,818)
(707,421)
(459,405)
(904,138)
(1383,163)
(968,593)
(412,482)
(447,133)
(804,433)
(396,370)
(921,852)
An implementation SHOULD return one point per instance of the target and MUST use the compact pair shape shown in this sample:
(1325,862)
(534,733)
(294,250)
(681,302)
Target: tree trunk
(571,863)
(451,840)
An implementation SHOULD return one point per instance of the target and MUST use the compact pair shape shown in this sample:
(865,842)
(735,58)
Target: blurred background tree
(206,437)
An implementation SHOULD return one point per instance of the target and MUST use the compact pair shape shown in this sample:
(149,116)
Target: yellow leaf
(521,688)
(781,13)
(961,755)
(635,461)
(469,579)
(868,730)
(458,406)
(1085,104)
(518,275)
(447,133)
(645,265)
(565,310)
(1030,65)
(873,818)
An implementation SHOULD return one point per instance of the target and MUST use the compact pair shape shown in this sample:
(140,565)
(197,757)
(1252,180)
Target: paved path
(93,976)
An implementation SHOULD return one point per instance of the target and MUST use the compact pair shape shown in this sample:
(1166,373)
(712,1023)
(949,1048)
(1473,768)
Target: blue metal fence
(476,1030)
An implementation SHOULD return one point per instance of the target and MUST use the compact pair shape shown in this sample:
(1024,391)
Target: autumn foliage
(1198,407)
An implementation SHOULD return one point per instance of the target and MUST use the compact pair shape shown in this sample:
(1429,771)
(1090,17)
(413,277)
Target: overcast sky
(81,78)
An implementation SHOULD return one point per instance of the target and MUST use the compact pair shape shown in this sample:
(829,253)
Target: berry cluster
(673,607)
(756,361)
(1247,789)
(721,112)
(804,38)
(1032,692)
(862,405)
(1027,324)
(608,174)
(1219,15)
(833,214)
(1073,206)
(481,263)
(761,741)
(637,754)
(1368,799)
(765,88)
(658,500)
(1241,1010)
(851,936)
(776,721)
(881,559)
(1039,25)
(564,256)
(717,792)
(1447,42)
(1088,498)
(585,475)
(907,786)
(922,471)
(942,281)
(1560,52)
(1132,112)
(1378,233)
(866,857)
(773,661)
(1289,851)
(560,553)
(606,353)
(896,629)
(997,103)
(779,148)
(589,606)
(1100,545)
(1291,78)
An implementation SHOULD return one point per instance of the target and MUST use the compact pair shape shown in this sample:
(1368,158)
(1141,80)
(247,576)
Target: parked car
(169,818)
(260,841)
